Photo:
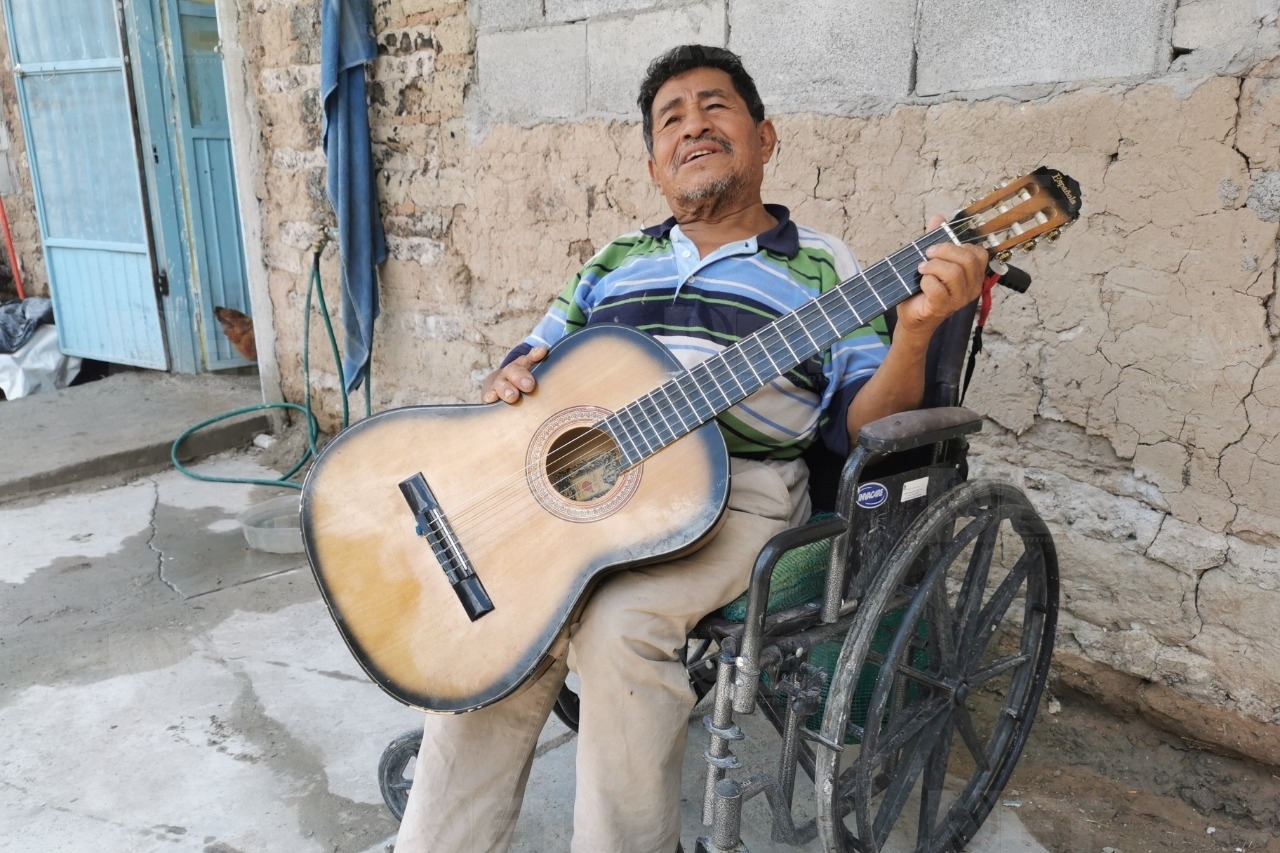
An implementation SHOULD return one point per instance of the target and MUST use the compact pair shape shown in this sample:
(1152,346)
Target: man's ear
(768,139)
(653,170)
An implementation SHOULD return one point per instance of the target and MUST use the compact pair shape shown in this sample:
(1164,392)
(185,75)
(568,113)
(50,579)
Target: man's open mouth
(698,150)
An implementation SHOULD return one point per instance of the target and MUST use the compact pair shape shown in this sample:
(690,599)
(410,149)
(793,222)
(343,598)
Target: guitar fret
(725,358)
(641,430)
(675,407)
(629,434)
(711,407)
(905,286)
(726,400)
(755,339)
(792,327)
(673,432)
(774,329)
(872,287)
(835,330)
(655,420)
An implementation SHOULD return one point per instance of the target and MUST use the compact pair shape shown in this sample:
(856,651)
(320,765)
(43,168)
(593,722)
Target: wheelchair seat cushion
(799,576)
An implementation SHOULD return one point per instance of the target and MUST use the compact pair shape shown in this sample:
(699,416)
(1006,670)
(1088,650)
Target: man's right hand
(510,383)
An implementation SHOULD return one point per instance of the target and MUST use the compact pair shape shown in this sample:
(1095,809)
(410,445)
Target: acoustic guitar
(454,543)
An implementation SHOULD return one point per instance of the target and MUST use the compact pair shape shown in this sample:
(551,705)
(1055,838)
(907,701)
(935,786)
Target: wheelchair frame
(923,626)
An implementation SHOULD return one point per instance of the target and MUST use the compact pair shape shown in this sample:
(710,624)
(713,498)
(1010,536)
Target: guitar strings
(594,441)
(481,511)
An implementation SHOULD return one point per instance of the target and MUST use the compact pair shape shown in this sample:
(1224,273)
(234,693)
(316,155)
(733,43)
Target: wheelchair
(898,643)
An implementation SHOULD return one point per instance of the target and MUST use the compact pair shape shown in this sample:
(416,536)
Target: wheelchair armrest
(907,430)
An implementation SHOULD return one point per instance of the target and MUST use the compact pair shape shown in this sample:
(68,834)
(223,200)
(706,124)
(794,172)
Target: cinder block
(580,10)
(1213,22)
(981,44)
(620,49)
(532,75)
(490,15)
(822,55)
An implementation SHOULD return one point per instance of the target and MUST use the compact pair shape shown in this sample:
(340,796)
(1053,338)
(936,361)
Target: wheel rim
(395,771)
(975,583)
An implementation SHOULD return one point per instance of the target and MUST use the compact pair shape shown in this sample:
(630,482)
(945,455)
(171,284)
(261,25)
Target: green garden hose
(313,428)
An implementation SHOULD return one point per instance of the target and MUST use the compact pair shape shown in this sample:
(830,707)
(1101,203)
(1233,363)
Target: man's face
(706,146)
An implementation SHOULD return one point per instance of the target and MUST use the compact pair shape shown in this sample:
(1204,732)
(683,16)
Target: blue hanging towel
(346,45)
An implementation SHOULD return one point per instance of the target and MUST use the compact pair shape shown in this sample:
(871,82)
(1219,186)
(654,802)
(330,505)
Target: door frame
(246,148)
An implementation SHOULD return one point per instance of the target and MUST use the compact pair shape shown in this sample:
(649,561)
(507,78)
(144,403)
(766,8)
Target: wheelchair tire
(940,675)
(394,768)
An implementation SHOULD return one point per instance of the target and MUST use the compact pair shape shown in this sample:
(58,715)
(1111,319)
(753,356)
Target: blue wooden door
(73,93)
(204,138)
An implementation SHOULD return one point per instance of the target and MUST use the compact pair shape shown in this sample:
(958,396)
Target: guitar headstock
(1018,212)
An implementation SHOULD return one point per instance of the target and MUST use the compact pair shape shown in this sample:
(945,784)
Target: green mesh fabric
(799,576)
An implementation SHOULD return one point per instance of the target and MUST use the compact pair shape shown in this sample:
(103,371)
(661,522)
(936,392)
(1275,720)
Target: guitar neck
(688,401)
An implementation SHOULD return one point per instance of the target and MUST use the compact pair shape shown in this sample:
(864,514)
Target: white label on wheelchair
(915,489)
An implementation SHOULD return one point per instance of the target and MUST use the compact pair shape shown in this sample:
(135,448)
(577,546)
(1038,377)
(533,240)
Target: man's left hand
(950,279)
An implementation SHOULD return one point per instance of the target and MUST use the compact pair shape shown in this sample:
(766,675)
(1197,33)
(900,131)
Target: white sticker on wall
(915,489)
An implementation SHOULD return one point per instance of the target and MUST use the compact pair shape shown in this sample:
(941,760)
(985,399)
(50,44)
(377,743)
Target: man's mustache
(724,144)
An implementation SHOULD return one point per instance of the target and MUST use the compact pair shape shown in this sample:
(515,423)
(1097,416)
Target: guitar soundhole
(576,471)
(584,464)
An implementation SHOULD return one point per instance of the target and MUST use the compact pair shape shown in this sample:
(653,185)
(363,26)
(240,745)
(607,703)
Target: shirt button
(685,253)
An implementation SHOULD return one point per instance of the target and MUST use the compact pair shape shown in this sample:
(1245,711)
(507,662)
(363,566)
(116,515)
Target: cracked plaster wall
(1133,392)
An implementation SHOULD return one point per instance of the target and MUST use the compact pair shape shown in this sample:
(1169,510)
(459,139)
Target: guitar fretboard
(686,402)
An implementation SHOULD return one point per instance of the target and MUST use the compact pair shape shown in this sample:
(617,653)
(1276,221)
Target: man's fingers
(515,380)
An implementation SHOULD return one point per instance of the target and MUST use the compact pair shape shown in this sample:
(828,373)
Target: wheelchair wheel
(395,770)
(940,676)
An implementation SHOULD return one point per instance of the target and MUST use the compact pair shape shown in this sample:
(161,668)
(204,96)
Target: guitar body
(498,473)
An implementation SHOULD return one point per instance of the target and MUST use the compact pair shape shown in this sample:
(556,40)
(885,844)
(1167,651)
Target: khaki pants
(635,699)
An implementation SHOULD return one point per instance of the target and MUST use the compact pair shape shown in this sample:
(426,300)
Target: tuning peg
(1053,235)
(1029,245)
(1004,257)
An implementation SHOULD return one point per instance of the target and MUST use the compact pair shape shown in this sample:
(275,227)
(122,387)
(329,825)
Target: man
(724,265)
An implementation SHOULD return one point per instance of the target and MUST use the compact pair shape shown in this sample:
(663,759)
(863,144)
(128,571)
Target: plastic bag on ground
(19,320)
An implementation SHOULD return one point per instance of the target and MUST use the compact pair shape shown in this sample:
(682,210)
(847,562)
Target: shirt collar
(782,238)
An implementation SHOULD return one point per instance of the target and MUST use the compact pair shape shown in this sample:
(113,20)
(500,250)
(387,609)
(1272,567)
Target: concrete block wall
(840,57)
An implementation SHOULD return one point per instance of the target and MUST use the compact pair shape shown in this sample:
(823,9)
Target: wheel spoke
(969,600)
(918,718)
(904,779)
(972,740)
(997,607)
(935,775)
(997,667)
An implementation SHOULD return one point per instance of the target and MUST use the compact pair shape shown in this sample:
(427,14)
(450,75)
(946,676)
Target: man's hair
(688,57)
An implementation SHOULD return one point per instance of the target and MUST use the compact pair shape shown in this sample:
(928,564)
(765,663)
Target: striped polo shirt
(654,280)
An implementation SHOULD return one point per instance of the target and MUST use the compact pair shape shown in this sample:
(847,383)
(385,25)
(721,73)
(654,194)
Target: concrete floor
(164,687)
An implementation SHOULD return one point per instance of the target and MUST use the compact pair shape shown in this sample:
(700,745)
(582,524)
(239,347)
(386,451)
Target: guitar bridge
(433,527)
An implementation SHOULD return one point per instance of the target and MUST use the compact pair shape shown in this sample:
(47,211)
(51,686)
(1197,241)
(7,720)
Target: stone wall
(1133,392)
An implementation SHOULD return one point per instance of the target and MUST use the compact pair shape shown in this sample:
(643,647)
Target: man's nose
(697,122)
